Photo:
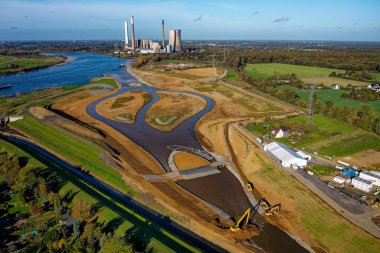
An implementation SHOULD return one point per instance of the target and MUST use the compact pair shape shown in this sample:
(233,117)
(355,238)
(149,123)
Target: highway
(165,222)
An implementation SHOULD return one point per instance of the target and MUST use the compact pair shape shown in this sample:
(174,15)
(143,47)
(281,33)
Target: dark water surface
(86,66)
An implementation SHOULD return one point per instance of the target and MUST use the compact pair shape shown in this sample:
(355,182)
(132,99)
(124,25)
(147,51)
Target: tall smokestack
(126,34)
(133,34)
(163,34)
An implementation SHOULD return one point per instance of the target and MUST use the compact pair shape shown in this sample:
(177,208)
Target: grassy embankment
(74,150)
(325,136)
(307,74)
(112,214)
(13,64)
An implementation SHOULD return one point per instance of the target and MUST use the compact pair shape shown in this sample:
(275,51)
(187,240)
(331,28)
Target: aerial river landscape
(84,66)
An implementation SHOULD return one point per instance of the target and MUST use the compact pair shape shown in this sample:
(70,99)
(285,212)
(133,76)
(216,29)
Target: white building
(341,179)
(304,155)
(370,176)
(362,184)
(281,131)
(285,155)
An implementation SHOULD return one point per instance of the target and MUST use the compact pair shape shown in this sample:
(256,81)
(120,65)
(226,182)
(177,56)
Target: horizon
(23,20)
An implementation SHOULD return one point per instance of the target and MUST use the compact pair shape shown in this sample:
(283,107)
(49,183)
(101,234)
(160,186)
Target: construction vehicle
(243,219)
(246,217)
(249,186)
(268,209)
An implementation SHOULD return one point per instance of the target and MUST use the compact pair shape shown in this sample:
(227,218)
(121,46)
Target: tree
(81,210)
(114,243)
(55,200)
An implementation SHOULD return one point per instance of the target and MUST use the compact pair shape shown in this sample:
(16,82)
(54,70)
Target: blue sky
(355,20)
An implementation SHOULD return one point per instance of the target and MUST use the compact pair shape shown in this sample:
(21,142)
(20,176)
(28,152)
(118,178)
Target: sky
(341,20)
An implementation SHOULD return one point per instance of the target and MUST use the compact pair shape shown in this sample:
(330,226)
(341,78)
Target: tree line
(35,192)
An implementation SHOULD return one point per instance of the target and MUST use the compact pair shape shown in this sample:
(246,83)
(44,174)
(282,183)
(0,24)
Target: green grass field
(330,137)
(109,81)
(268,69)
(74,150)
(308,74)
(22,63)
(335,96)
(232,75)
(113,215)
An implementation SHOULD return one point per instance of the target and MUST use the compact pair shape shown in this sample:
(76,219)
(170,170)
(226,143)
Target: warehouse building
(285,155)
(370,176)
(362,184)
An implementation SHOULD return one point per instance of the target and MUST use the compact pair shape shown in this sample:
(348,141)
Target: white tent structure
(285,155)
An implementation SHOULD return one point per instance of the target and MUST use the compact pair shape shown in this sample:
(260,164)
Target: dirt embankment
(172,109)
(165,197)
(123,107)
(185,160)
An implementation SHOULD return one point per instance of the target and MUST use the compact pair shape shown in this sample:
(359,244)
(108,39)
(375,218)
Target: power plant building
(126,39)
(175,40)
(148,46)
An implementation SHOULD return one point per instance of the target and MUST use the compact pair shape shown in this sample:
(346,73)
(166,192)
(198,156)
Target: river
(227,195)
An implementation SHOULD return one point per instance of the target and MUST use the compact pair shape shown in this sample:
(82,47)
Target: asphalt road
(188,236)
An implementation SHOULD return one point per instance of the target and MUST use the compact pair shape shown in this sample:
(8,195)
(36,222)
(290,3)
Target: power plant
(146,46)
(175,40)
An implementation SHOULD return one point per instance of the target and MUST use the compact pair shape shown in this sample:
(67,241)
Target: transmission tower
(309,114)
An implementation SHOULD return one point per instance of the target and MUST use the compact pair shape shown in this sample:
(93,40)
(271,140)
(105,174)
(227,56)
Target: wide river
(85,66)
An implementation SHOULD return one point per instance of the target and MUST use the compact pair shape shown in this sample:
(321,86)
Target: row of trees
(363,95)
(24,185)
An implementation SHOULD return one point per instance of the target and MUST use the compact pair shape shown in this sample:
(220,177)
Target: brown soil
(368,158)
(167,197)
(185,160)
(131,107)
(171,104)
(201,72)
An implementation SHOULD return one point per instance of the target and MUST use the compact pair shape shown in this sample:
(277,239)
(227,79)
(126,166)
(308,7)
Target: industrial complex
(147,46)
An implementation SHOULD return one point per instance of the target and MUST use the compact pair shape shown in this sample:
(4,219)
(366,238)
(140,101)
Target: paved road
(362,220)
(165,222)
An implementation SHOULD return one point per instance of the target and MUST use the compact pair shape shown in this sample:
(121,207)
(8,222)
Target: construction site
(176,137)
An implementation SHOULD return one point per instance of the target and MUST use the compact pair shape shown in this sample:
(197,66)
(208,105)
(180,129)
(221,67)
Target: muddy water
(222,190)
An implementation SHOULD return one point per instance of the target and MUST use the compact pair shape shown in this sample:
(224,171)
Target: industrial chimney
(163,35)
(126,34)
(133,34)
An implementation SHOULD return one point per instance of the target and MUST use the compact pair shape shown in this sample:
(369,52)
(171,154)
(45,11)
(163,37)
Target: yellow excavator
(246,217)
(243,219)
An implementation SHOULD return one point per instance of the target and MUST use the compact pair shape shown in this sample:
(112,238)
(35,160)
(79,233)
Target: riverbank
(17,64)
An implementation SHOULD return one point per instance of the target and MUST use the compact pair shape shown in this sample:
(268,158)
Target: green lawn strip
(74,189)
(109,81)
(323,170)
(76,151)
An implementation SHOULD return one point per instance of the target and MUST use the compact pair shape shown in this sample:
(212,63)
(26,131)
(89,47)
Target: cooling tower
(175,40)
(133,34)
(126,39)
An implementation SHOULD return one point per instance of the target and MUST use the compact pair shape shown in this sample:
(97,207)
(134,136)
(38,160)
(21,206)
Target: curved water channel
(86,66)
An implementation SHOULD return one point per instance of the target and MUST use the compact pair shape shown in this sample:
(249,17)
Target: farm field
(307,74)
(335,96)
(113,215)
(13,64)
